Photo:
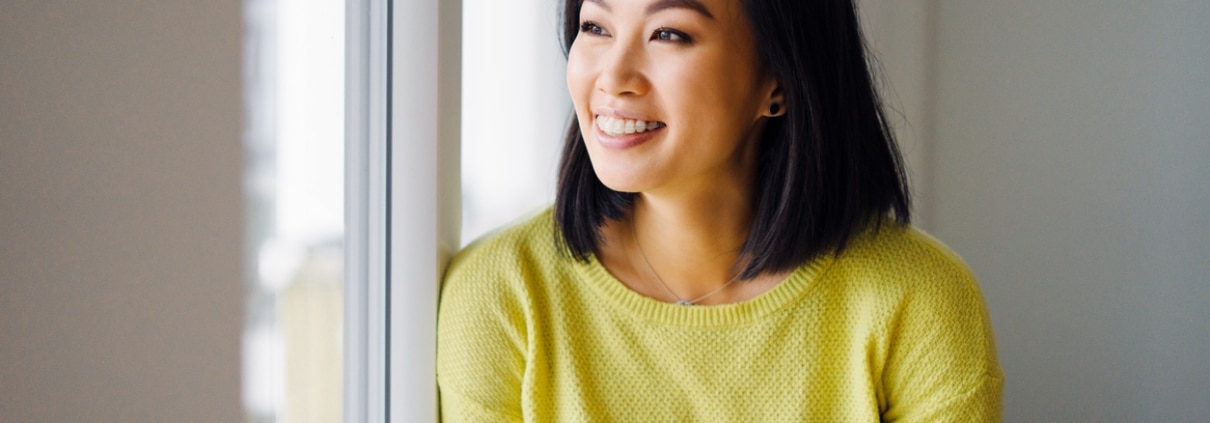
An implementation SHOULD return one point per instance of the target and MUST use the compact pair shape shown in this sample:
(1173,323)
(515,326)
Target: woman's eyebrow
(600,3)
(665,4)
(683,4)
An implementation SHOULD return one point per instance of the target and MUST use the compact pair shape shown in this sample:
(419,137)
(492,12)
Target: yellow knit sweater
(894,330)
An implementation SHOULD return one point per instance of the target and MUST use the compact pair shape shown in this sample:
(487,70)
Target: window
(414,107)
(514,110)
(294,185)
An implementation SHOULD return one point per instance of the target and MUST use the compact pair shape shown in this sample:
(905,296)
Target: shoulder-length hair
(827,168)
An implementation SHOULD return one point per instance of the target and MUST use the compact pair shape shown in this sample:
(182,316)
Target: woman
(729,241)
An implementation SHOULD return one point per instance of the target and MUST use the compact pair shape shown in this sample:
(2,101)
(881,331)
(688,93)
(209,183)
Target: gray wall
(1070,166)
(120,211)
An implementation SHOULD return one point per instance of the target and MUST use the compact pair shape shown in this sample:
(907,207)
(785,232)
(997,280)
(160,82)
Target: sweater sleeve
(481,340)
(942,364)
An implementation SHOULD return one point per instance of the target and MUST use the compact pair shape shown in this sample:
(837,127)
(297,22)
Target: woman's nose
(622,72)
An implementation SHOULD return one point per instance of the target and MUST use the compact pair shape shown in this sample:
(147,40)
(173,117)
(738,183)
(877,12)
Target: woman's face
(670,94)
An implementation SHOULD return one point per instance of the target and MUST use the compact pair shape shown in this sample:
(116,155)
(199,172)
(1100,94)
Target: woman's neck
(691,245)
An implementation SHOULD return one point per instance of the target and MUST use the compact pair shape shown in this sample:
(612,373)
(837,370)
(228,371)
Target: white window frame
(403,88)
(365,211)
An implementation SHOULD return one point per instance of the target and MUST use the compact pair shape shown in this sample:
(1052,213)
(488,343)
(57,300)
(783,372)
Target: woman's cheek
(578,82)
(580,87)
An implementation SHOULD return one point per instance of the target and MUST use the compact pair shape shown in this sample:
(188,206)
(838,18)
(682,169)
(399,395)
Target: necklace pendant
(683,302)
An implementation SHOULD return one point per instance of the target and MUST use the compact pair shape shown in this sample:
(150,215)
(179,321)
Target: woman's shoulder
(508,252)
(933,326)
(905,257)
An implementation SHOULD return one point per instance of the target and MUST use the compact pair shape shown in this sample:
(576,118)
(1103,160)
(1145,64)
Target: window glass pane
(294,137)
(514,110)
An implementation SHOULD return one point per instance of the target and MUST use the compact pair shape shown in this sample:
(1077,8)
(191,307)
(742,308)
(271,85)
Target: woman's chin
(619,173)
(624,185)
(622,181)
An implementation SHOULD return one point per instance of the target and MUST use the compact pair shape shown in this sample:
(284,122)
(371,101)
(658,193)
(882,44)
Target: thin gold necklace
(679,301)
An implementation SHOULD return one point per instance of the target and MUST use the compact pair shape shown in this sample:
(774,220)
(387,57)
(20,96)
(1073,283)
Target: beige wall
(899,33)
(1071,171)
(120,211)
(1067,148)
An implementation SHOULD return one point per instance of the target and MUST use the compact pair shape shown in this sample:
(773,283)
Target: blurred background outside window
(515,108)
(294,188)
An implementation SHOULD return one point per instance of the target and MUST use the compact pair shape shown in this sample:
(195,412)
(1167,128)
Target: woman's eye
(665,34)
(592,28)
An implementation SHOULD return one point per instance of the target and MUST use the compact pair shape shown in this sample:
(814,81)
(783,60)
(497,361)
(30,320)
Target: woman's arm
(942,364)
(481,343)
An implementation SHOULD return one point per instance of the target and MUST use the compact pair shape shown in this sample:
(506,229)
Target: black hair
(827,168)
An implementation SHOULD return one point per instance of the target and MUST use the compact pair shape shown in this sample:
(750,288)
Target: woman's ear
(775,103)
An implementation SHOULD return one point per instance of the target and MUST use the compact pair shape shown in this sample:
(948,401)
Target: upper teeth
(614,126)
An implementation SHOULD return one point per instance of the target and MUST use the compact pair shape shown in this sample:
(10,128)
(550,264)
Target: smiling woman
(729,241)
(651,66)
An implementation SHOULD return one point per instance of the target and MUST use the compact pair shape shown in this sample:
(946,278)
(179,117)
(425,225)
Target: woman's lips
(617,133)
(618,142)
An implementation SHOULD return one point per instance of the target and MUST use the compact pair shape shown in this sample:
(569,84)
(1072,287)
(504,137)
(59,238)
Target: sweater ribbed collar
(618,295)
